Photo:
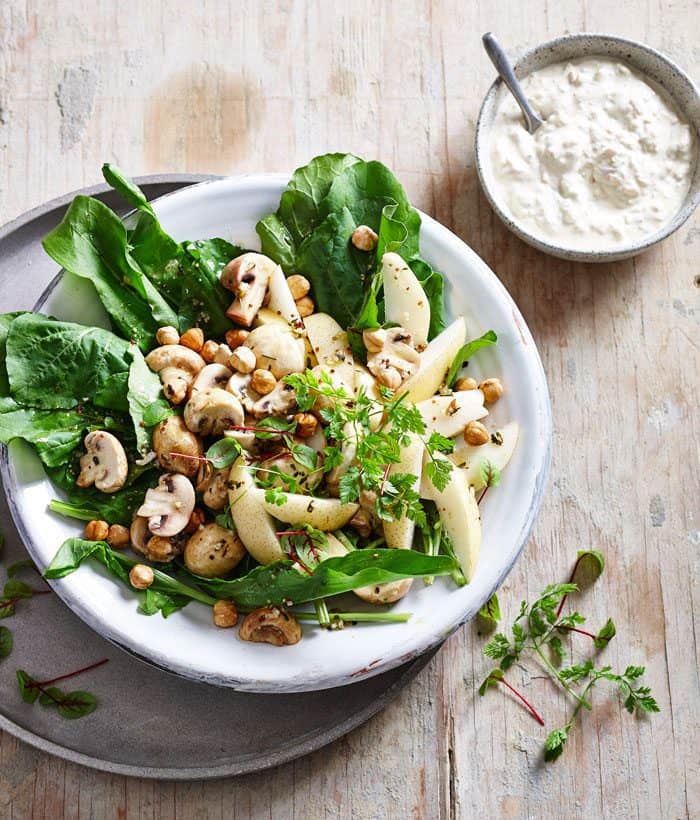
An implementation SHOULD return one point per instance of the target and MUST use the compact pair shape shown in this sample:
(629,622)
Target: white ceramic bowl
(655,67)
(187,643)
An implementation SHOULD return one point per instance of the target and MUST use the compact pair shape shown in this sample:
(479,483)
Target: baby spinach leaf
(54,433)
(466,352)
(336,274)
(144,391)
(54,364)
(204,299)
(91,242)
(131,192)
(280,582)
(6,320)
(116,508)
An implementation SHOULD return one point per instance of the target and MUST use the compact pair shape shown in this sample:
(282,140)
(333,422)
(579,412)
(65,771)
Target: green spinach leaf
(466,352)
(54,364)
(144,391)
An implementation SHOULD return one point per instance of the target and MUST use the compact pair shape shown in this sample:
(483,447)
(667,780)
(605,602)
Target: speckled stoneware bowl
(655,67)
(187,643)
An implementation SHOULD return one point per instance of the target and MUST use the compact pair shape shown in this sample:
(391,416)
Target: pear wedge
(325,514)
(254,526)
(435,361)
(469,458)
(460,517)
(405,302)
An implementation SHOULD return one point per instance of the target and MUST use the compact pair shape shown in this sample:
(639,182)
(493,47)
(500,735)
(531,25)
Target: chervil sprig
(538,630)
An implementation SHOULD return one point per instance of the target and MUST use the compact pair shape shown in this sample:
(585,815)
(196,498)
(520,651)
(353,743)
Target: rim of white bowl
(483,126)
(141,650)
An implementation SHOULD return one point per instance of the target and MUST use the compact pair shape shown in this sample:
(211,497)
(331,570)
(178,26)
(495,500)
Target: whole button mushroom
(104,464)
(177,367)
(212,552)
(277,349)
(248,277)
(168,506)
(178,450)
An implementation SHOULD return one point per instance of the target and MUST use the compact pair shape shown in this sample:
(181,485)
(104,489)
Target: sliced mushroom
(279,402)
(177,367)
(392,358)
(213,551)
(170,438)
(213,375)
(168,506)
(239,386)
(210,412)
(269,624)
(213,484)
(277,349)
(387,593)
(104,464)
(248,277)
(154,547)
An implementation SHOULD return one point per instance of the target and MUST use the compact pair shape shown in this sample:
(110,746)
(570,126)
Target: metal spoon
(498,57)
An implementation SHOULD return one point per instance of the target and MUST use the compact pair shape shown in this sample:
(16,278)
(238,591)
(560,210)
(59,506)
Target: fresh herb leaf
(6,642)
(605,635)
(223,453)
(491,610)
(465,353)
(489,474)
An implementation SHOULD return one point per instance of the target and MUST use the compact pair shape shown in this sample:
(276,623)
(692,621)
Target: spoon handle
(505,70)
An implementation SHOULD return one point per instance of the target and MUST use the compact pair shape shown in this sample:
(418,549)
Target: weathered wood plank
(227,87)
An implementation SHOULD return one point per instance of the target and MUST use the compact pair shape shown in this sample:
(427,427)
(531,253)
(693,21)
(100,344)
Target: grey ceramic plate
(149,723)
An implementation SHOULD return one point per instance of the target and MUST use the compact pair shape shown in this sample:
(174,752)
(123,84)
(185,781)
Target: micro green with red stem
(39,684)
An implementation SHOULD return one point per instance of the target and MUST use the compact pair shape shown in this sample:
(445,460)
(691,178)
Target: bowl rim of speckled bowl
(647,61)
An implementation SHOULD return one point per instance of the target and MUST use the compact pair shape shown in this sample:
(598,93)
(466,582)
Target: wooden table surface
(228,87)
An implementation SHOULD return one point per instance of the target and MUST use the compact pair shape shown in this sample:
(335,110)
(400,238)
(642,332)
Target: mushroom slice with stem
(391,355)
(280,401)
(168,506)
(269,624)
(211,412)
(177,367)
(104,464)
(247,276)
(213,375)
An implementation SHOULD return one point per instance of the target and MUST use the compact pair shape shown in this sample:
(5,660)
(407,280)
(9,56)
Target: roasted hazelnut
(298,286)
(118,537)
(242,359)
(492,390)
(141,576)
(225,614)
(208,351)
(167,335)
(196,520)
(476,434)
(96,530)
(364,238)
(306,424)
(305,306)
(263,382)
(466,383)
(235,338)
(193,338)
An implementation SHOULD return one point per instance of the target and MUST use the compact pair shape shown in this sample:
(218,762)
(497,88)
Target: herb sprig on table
(538,630)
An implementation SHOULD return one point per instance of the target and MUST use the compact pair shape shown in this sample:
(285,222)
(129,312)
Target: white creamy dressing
(611,164)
